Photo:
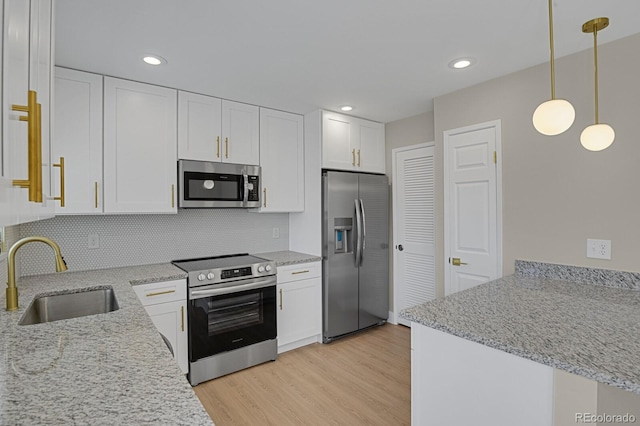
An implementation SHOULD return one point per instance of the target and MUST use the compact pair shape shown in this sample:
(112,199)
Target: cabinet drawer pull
(280,299)
(300,272)
(173,196)
(358,158)
(226,147)
(95,193)
(61,197)
(182,316)
(160,293)
(33,127)
(264,193)
(353,157)
(218,145)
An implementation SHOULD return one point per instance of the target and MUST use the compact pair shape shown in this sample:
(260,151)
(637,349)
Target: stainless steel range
(232,314)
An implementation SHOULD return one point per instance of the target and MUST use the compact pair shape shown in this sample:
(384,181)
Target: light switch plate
(599,249)
(93,241)
(276,233)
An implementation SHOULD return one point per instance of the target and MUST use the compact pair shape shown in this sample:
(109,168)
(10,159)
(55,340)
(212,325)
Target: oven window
(212,186)
(234,313)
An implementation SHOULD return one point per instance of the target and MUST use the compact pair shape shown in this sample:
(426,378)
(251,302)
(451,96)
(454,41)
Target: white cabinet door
(282,161)
(78,140)
(140,147)
(338,145)
(371,152)
(170,320)
(240,130)
(299,305)
(199,127)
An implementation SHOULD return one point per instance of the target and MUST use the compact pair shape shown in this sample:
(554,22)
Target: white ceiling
(387,58)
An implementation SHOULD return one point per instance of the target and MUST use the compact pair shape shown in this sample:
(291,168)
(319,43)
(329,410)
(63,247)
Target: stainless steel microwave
(204,184)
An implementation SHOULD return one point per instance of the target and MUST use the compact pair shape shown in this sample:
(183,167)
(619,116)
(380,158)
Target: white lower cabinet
(299,305)
(166,304)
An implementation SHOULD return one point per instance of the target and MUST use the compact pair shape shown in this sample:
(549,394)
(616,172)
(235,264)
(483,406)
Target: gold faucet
(12,290)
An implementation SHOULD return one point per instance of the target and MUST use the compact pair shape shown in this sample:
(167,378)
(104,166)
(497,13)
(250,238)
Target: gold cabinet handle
(218,147)
(226,147)
(353,157)
(264,195)
(358,158)
(61,197)
(159,293)
(38,155)
(95,193)
(280,299)
(32,140)
(455,261)
(173,196)
(300,272)
(182,316)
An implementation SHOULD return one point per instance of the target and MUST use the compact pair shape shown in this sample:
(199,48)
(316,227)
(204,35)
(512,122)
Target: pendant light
(554,116)
(598,136)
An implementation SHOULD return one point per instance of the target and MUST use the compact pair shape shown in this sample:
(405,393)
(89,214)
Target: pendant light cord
(595,60)
(553,64)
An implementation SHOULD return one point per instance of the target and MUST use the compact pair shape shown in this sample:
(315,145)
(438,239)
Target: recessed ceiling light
(154,60)
(346,108)
(461,63)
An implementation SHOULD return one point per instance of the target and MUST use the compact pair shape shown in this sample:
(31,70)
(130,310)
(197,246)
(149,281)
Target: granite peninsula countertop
(287,257)
(103,369)
(569,323)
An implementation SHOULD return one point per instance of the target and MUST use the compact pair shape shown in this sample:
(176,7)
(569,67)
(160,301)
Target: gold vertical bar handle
(264,195)
(358,158)
(280,299)
(226,147)
(32,126)
(218,147)
(95,193)
(182,316)
(38,154)
(61,197)
(353,157)
(173,196)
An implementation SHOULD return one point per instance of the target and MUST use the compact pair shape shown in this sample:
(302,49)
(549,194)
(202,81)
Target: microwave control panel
(254,192)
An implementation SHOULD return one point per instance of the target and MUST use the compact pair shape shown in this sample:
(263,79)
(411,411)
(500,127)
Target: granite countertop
(102,369)
(589,330)
(287,257)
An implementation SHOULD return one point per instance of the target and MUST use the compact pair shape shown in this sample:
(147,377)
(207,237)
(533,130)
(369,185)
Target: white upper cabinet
(140,147)
(213,129)
(353,144)
(199,127)
(282,161)
(78,141)
(26,66)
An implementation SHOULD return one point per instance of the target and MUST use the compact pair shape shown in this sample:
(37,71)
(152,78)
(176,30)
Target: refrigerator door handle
(358,235)
(364,232)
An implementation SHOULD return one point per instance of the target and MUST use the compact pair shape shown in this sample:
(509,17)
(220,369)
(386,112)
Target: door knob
(455,261)
(400,247)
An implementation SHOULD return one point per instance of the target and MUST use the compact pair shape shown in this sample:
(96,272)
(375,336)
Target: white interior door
(413,227)
(472,206)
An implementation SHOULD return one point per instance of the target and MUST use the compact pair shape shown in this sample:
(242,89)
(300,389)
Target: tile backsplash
(126,240)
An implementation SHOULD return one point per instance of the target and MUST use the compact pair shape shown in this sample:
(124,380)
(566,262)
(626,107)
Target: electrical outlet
(93,241)
(276,232)
(599,249)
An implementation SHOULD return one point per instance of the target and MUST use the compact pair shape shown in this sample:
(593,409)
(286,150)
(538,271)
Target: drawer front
(161,292)
(299,271)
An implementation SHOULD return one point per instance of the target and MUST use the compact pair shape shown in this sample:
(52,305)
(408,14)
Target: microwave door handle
(245,198)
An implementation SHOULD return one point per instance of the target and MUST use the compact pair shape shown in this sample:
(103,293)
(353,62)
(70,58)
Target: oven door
(224,319)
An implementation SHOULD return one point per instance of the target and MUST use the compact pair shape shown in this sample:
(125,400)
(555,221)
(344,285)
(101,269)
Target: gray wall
(143,239)
(398,134)
(556,194)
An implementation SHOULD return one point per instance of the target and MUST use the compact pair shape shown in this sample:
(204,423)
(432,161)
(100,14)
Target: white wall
(143,239)
(556,194)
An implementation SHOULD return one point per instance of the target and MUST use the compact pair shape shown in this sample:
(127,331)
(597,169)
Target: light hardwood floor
(364,379)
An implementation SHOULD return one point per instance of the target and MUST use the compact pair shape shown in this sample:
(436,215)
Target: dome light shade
(553,117)
(597,137)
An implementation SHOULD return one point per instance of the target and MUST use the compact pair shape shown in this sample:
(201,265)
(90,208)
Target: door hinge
(495,157)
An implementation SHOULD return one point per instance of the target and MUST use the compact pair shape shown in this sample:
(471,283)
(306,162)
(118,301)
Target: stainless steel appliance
(204,184)
(355,245)
(232,314)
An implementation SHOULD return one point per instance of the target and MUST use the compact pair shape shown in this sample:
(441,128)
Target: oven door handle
(199,294)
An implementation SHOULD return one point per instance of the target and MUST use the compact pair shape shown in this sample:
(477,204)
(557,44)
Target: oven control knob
(210,275)
(201,277)
(268,268)
(261,269)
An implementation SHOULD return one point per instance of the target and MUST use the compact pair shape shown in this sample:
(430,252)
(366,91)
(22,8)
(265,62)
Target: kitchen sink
(90,301)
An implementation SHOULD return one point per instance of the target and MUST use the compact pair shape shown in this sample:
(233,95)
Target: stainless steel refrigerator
(355,258)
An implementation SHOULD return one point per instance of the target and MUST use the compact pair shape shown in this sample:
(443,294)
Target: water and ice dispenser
(343,228)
